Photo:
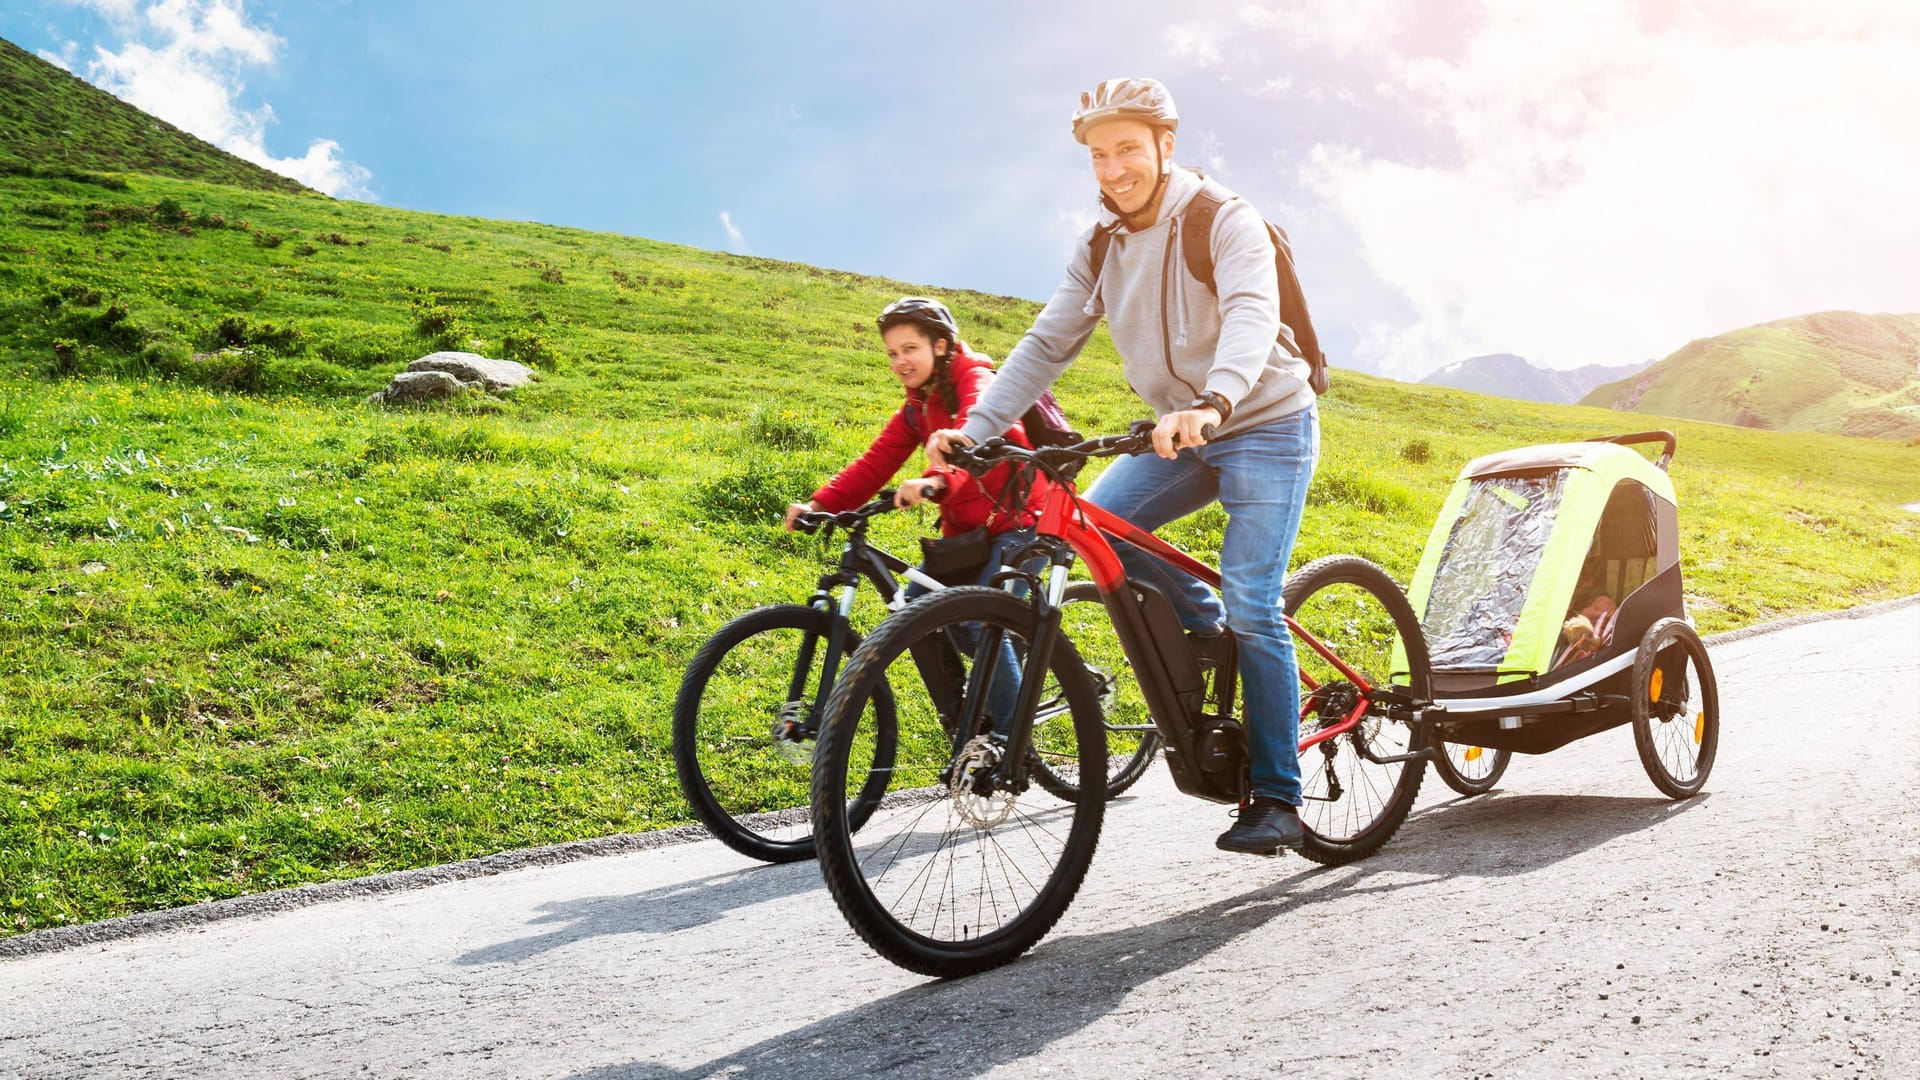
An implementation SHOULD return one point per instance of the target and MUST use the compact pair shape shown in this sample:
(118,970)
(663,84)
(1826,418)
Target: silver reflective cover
(1487,566)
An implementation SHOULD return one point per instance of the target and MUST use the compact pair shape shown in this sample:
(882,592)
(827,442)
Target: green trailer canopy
(1500,568)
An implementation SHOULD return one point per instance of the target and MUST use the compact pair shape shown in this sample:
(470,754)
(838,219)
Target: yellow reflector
(1654,684)
(1699,726)
(1473,753)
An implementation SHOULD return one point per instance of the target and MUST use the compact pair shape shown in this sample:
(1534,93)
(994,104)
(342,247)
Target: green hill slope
(1837,371)
(261,634)
(54,122)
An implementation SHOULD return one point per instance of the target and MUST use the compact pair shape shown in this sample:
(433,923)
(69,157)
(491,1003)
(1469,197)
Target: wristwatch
(1215,400)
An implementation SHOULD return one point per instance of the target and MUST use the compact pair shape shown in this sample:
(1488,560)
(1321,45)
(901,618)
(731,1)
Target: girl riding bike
(943,379)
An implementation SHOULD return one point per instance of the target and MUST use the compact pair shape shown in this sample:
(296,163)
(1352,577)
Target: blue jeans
(1260,477)
(1003,692)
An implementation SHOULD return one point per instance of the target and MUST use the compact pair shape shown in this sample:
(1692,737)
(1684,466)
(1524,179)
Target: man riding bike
(1198,357)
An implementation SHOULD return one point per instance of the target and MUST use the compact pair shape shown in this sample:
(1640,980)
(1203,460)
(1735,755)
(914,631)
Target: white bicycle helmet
(1136,99)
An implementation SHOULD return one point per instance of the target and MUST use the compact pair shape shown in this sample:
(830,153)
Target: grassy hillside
(54,123)
(1837,371)
(262,634)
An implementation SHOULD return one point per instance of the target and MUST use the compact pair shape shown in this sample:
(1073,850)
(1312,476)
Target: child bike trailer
(1550,597)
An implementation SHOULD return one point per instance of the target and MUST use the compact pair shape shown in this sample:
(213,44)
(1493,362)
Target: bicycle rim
(750,787)
(944,879)
(1353,802)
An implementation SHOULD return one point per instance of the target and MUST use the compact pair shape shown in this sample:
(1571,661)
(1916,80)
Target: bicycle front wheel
(747,783)
(1132,740)
(962,868)
(1358,786)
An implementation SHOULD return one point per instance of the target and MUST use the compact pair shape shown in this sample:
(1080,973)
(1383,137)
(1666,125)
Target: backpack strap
(1196,235)
(1097,247)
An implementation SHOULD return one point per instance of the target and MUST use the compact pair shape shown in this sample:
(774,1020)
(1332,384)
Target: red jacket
(969,501)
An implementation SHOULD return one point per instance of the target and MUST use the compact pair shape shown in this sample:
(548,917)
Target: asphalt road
(1573,923)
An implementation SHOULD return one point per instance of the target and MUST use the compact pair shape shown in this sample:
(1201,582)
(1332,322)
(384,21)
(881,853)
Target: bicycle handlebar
(814,520)
(983,457)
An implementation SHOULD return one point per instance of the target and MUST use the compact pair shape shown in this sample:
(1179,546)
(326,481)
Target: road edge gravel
(59,938)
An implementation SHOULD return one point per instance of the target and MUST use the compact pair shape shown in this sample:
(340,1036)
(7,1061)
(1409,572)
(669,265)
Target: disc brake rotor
(786,727)
(971,768)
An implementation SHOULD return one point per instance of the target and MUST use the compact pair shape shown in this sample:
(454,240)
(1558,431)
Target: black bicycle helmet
(920,311)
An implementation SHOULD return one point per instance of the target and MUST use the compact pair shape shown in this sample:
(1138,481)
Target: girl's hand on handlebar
(1188,427)
(940,444)
(915,491)
(794,510)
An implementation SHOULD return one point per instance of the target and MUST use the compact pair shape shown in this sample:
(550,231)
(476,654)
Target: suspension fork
(839,617)
(1012,773)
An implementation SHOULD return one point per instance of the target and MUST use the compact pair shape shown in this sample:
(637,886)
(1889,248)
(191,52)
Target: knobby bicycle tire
(935,865)
(1364,612)
(726,795)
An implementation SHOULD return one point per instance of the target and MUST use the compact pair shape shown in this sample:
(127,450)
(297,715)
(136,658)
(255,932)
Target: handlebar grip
(1207,432)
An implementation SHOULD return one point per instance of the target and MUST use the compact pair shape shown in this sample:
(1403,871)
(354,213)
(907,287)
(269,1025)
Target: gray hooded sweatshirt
(1176,336)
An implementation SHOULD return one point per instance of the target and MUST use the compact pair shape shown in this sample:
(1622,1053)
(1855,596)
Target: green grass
(1837,371)
(261,634)
(55,124)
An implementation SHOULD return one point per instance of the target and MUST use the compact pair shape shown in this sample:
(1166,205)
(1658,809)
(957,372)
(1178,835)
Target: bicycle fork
(799,719)
(1011,773)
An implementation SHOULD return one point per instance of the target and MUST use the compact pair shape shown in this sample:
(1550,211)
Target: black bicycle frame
(937,662)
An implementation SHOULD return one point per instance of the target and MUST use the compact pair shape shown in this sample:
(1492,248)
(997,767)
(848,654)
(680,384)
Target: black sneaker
(1265,826)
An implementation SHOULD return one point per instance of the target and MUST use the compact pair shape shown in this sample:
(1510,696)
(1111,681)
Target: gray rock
(472,367)
(412,386)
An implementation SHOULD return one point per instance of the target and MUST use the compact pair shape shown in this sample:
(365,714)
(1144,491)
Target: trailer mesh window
(1487,566)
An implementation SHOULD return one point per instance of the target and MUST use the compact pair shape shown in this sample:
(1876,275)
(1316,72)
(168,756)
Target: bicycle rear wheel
(954,873)
(1132,740)
(1358,786)
(748,786)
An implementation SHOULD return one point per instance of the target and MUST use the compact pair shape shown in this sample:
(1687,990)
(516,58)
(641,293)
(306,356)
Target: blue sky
(1595,181)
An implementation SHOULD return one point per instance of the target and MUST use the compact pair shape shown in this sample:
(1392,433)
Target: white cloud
(1069,225)
(736,240)
(64,59)
(1193,44)
(1609,179)
(1212,150)
(182,61)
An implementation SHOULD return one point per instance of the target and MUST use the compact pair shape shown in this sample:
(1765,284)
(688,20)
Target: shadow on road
(1498,835)
(969,1027)
(680,906)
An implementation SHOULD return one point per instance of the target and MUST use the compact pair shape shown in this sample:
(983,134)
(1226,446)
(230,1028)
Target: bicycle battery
(1187,760)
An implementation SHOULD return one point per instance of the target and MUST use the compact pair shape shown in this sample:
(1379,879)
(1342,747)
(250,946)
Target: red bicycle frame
(1085,527)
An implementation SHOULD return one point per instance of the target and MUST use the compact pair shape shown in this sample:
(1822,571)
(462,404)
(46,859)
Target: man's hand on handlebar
(794,510)
(940,444)
(1188,427)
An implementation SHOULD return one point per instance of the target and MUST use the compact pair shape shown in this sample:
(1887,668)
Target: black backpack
(1196,246)
(1045,423)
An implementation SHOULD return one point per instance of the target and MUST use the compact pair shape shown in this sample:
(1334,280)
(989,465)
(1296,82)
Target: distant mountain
(52,123)
(1510,376)
(1837,371)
